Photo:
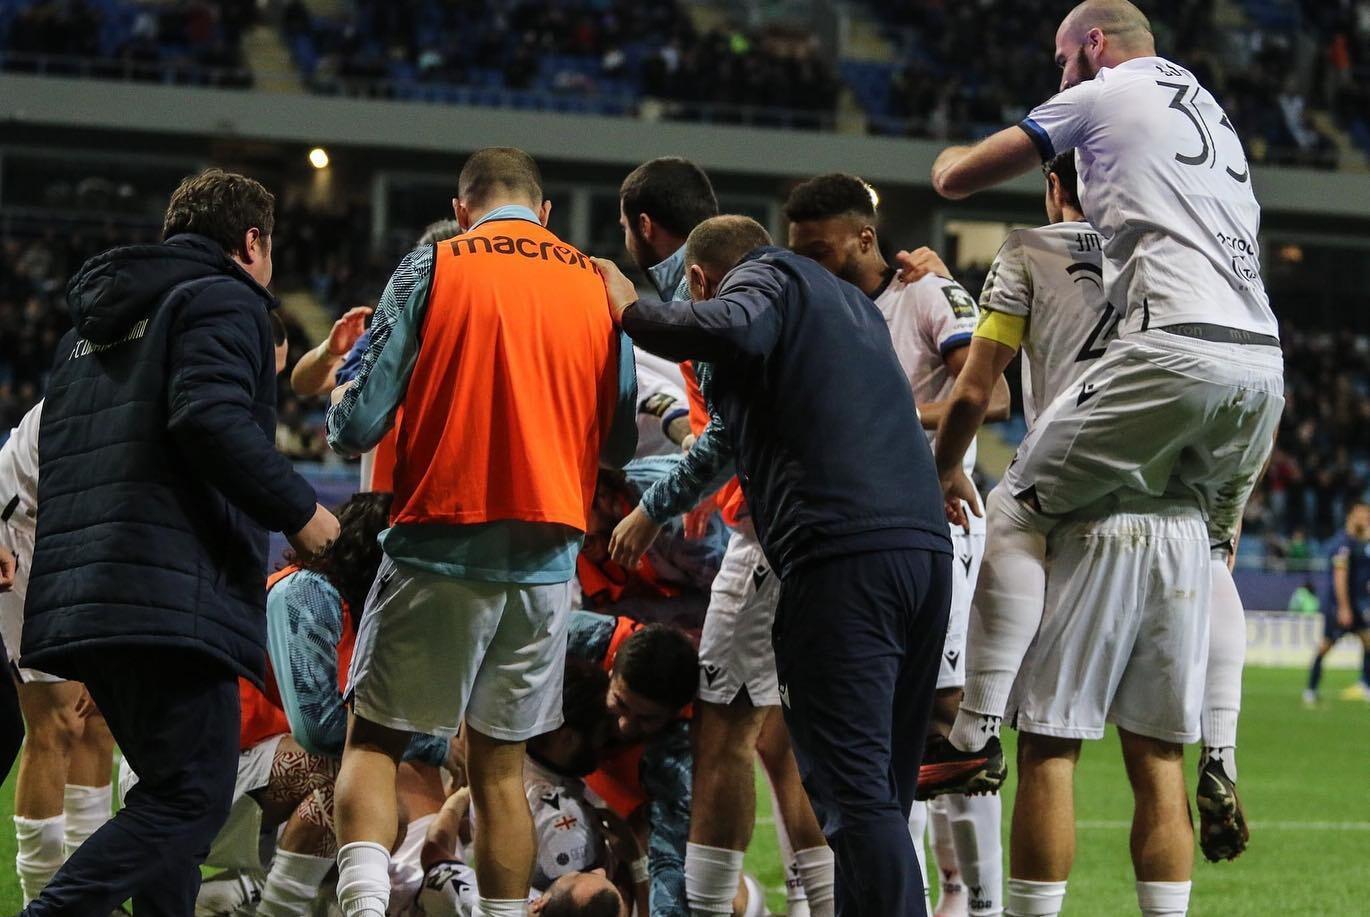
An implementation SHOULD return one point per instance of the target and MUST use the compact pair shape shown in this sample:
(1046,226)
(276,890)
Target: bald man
(1183,403)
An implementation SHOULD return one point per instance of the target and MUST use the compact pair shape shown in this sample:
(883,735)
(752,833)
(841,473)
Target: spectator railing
(173,72)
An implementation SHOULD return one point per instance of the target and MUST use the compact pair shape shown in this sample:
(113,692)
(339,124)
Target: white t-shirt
(1164,180)
(19,475)
(929,319)
(1053,277)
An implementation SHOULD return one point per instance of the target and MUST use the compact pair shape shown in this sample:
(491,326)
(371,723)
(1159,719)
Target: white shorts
(735,649)
(432,649)
(238,843)
(968,550)
(12,604)
(1158,414)
(1124,637)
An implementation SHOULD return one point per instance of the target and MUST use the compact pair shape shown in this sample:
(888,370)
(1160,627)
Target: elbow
(944,182)
(997,413)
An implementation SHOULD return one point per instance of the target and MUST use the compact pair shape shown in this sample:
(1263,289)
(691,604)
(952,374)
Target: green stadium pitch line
(1119,824)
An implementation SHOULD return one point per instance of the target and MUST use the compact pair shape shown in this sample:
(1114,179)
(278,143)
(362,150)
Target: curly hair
(351,561)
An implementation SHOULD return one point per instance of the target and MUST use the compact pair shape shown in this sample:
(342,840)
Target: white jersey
(1164,180)
(19,475)
(660,399)
(1053,277)
(928,319)
(568,835)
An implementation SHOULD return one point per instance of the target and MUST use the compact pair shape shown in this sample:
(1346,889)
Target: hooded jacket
(158,473)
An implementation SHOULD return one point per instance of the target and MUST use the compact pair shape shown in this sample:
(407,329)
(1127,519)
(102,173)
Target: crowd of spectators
(34,268)
(1321,461)
(966,68)
(618,48)
(1283,70)
(182,41)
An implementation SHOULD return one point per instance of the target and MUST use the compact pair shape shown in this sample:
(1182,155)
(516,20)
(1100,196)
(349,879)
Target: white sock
(941,845)
(818,872)
(87,808)
(756,898)
(1226,655)
(293,883)
(796,900)
(363,879)
(1004,614)
(507,907)
(918,829)
(1163,899)
(976,831)
(711,878)
(40,852)
(1034,899)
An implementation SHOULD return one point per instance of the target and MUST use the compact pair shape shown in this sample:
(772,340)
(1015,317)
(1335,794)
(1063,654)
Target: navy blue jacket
(158,473)
(805,378)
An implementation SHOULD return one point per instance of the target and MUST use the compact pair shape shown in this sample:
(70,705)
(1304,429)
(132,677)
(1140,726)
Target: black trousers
(857,645)
(175,716)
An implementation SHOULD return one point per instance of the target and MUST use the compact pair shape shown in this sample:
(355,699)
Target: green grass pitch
(1305,783)
(1304,779)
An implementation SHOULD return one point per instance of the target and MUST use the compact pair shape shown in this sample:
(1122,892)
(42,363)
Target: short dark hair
(832,195)
(660,663)
(583,694)
(221,206)
(1063,167)
(604,903)
(278,331)
(499,167)
(672,191)
(439,231)
(720,242)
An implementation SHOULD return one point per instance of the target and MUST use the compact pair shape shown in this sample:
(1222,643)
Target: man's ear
(699,281)
(1054,186)
(463,215)
(250,240)
(867,235)
(646,229)
(545,212)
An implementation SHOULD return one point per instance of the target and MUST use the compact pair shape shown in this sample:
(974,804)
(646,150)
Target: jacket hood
(116,288)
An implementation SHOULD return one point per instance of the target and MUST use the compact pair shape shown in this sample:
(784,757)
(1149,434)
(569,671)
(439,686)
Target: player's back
(928,319)
(514,384)
(1164,179)
(1053,277)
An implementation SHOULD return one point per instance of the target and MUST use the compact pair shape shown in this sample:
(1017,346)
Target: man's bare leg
(53,727)
(366,814)
(506,845)
(1162,831)
(1042,837)
(88,798)
(812,859)
(724,802)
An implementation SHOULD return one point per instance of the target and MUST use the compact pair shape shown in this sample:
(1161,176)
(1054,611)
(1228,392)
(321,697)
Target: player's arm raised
(961,171)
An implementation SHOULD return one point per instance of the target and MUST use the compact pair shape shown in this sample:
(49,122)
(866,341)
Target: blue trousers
(857,644)
(175,714)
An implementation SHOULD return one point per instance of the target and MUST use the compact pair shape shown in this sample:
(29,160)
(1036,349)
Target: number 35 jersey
(1164,180)
(1049,280)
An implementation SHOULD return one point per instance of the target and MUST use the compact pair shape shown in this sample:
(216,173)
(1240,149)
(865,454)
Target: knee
(1036,751)
(55,730)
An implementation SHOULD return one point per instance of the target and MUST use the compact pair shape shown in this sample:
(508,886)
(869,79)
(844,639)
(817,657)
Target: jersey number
(1188,109)
(1099,337)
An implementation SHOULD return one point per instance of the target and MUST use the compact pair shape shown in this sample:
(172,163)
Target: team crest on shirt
(962,306)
